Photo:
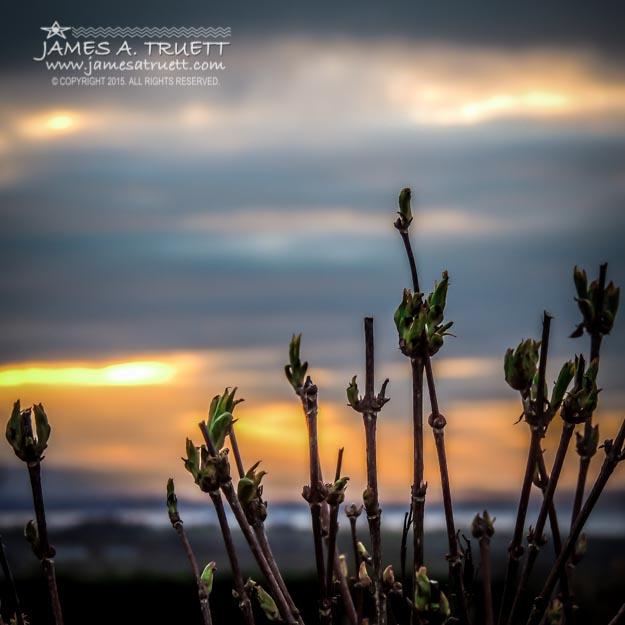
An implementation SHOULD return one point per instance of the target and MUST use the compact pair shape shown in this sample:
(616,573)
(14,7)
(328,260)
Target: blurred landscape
(124,557)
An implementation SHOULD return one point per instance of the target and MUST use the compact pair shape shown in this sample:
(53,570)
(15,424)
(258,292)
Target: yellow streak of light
(140,373)
(51,124)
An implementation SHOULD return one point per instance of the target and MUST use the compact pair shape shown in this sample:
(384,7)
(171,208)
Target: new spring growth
(265,600)
(207,576)
(419,322)
(336,495)
(581,401)
(555,613)
(172,503)
(353,511)
(249,492)
(483,526)
(28,444)
(520,365)
(598,304)
(587,442)
(363,553)
(209,472)
(405,210)
(533,415)
(364,581)
(427,597)
(296,369)
(32,538)
(220,416)
(365,404)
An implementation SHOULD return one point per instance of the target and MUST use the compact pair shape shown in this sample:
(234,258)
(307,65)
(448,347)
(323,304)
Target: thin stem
(486,580)
(404,548)
(283,607)
(333,531)
(411,260)
(354,535)
(614,454)
(619,617)
(266,547)
(202,590)
(438,424)
(8,574)
(372,504)
(536,539)
(236,452)
(244,600)
(515,550)
(308,395)
(235,505)
(46,551)
(419,487)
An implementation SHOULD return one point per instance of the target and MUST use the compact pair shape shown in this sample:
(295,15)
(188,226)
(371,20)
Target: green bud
(192,461)
(295,370)
(438,297)
(444,608)
(388,576)
(219,428)
(336,496)
(28,445)
(266,603)
(405,210)
(581,282)
(343,564)
(555,613)
(363,577)
(208,575)
(353,511)
(32,537)
(362,552)
(520,365)
(483,526)
(581,401)
(172,503)
(565,377)
(353,398)
(422,591)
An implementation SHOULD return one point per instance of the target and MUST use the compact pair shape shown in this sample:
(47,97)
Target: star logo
(56,30)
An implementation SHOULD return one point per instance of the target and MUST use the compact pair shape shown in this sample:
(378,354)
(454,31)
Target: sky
(159,244)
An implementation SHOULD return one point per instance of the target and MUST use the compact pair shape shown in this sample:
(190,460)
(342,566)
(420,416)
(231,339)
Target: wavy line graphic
(154,31)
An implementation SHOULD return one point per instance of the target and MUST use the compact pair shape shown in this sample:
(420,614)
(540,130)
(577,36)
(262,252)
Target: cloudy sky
(180,236)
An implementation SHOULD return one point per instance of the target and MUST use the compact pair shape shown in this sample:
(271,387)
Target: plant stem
(202,590)
(438,423)
(515,550)
(619,617)
(486,580)
(47,552)
(308,395)
(372,504)
(259,529)
(235,505)
(404,548)
(419,487)
(244,600)
(536,539)
(332,532)
(358,589)
(236,452)
(614,454)
(8,574)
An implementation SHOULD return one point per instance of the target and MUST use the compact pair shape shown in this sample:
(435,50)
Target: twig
(438,422)
(619,617)
(245,604)
(8,574)
(235,451)
(614,454)
(202,591)
(536,539)
(45,550)
(404,548)
(516,550)
(233,501)
(483,529)
(333,531)
(419,486)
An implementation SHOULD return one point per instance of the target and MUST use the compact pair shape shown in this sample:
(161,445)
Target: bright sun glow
(60,122)
(122,374)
